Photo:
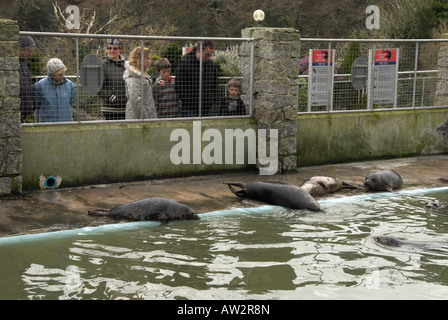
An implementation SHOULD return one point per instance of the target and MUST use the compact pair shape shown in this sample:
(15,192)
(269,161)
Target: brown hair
(162,64)
(234,83)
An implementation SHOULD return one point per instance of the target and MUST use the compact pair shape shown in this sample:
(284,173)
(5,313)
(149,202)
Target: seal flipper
(346,185)
(99,212)
(239,193)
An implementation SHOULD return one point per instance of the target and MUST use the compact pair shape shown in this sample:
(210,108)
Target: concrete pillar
(277,53)
(10,126)
(441,98)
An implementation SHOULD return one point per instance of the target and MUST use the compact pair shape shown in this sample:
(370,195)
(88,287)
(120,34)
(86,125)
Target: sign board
(320,77)
(92,74)
(383,76)
(359,73)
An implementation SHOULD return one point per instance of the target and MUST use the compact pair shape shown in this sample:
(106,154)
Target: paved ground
(66,208)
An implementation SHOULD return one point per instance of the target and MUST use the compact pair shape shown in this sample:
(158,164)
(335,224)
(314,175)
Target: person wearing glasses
(113,92)
(188,81)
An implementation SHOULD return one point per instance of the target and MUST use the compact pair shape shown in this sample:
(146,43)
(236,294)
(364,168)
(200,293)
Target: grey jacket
(139,94)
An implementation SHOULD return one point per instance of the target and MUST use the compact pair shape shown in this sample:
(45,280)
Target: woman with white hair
(54,95)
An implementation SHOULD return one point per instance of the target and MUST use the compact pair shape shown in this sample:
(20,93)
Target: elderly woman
(140,103)
(54,95)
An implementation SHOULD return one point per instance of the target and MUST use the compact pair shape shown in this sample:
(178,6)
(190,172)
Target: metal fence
(389,74)
(360,75)
(96,65)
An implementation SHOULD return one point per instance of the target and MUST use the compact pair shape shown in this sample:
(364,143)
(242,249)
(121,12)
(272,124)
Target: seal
(319,185)
(149,209)
(385,180)
(279,194)
(436,204)
(393,242)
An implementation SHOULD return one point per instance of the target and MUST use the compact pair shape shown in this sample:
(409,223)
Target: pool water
(258,253)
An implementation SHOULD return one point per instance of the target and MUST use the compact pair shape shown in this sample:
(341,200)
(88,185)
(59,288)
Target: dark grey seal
(149,209)
(386,180)
(319,185)
(393,242)
(279,194)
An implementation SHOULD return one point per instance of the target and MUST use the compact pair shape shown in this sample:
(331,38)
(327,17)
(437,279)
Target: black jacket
(113,85)
(187,84)
(26,90)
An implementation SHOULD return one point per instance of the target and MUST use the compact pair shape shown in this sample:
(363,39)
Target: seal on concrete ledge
(385,180)
(279,194)
(393,242)
(319,185)
(149,209)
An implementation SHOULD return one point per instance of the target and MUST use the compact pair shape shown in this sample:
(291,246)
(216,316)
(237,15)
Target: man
(188,81)
(27,47)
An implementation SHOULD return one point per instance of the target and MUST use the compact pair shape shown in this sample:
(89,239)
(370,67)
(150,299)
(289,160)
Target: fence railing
(207,85)
(392,74)
(406,79)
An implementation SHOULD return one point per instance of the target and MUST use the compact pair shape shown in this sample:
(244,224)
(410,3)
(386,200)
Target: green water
(271,254)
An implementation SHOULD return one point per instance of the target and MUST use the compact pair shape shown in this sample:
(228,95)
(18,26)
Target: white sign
(383,76)
(320,77)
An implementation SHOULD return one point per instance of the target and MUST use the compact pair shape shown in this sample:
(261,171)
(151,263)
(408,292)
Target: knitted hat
(26,42)
(54,65)
(115,42)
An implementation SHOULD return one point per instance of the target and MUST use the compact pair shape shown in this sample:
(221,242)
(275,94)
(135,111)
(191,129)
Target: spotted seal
(319,185)
(279,194)
(436,204)
(149,209)
(385,180)
(393,242)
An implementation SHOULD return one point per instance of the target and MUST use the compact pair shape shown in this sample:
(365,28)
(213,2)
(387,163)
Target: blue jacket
(54,101)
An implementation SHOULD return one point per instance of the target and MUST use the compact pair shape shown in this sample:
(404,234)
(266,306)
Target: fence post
(441,98)
(10,126)
(275,102)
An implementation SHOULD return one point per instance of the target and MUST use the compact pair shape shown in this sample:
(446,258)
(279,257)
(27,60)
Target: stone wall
(441,98)
(10,127)
(276,64)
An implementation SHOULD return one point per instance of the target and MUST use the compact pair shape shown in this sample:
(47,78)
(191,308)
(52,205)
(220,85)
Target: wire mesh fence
(86,78)
(391,74)
(99,77)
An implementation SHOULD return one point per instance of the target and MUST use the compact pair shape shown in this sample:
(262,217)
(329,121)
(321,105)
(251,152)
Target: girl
(140,104)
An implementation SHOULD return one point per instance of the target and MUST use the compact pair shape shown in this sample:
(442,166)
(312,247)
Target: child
(232,105)
(138,88)
(163,91)
(54,95)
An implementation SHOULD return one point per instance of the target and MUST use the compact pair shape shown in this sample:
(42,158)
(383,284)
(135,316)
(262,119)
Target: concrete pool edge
(96,230)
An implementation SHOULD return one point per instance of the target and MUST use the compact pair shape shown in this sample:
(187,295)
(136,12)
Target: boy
(232,105)
(163,91)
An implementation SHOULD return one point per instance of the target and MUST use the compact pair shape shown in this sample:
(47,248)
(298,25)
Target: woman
(113,93)
(140,104)
(54,95)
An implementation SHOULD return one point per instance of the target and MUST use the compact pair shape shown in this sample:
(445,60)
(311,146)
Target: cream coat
(139,94)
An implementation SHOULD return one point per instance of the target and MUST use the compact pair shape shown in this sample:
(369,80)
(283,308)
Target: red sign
(386,56)
(320,57)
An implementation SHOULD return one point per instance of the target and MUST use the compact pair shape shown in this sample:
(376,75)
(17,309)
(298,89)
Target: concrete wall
(345,137)
(100,153)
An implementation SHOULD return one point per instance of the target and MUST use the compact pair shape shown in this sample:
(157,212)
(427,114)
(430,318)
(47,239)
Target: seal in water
(149,209)
(279,194)
(386,180)
(435,204)
(393,242)
(319,186)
